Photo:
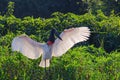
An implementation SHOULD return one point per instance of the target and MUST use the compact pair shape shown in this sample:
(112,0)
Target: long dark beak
(57,34)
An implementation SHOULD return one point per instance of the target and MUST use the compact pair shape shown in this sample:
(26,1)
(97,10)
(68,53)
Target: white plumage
(70,37)
(33,49)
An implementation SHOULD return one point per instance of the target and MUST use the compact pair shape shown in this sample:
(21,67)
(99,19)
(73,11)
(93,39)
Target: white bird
(67,39)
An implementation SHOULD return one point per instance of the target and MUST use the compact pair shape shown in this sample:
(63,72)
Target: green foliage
(98,60)
(10,9)
(77,64)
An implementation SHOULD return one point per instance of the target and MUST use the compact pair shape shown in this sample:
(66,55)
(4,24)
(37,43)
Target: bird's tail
(45,63)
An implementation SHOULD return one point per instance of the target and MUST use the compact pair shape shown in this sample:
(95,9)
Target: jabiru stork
(67,39)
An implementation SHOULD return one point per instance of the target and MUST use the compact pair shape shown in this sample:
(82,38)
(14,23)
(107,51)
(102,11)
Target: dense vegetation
(96,59)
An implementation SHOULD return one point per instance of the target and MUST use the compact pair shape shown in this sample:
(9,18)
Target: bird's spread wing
(69,38)
(27,46)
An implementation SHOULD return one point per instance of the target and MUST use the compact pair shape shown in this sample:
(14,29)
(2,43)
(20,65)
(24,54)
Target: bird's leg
(49,72)
(45,71)
(45,66)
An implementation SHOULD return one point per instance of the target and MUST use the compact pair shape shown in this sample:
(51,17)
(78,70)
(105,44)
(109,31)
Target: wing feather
(27,46)
(69,38)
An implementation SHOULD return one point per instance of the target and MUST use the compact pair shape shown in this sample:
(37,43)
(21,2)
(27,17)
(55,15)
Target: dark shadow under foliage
(44,8)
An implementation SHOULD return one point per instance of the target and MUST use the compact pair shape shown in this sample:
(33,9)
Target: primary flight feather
(67,39)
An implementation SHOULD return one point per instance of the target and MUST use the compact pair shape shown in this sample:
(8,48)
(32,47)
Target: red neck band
(49,42)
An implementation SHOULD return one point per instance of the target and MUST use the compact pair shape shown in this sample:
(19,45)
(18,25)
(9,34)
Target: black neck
(52,37)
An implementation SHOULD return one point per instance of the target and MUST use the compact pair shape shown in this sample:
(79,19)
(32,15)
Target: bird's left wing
(69,38)
(27,46)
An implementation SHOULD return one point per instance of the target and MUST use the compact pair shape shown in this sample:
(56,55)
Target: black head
(52,37)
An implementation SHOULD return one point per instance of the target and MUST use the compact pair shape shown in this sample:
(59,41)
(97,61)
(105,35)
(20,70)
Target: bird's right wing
(27,46)
(69,38)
